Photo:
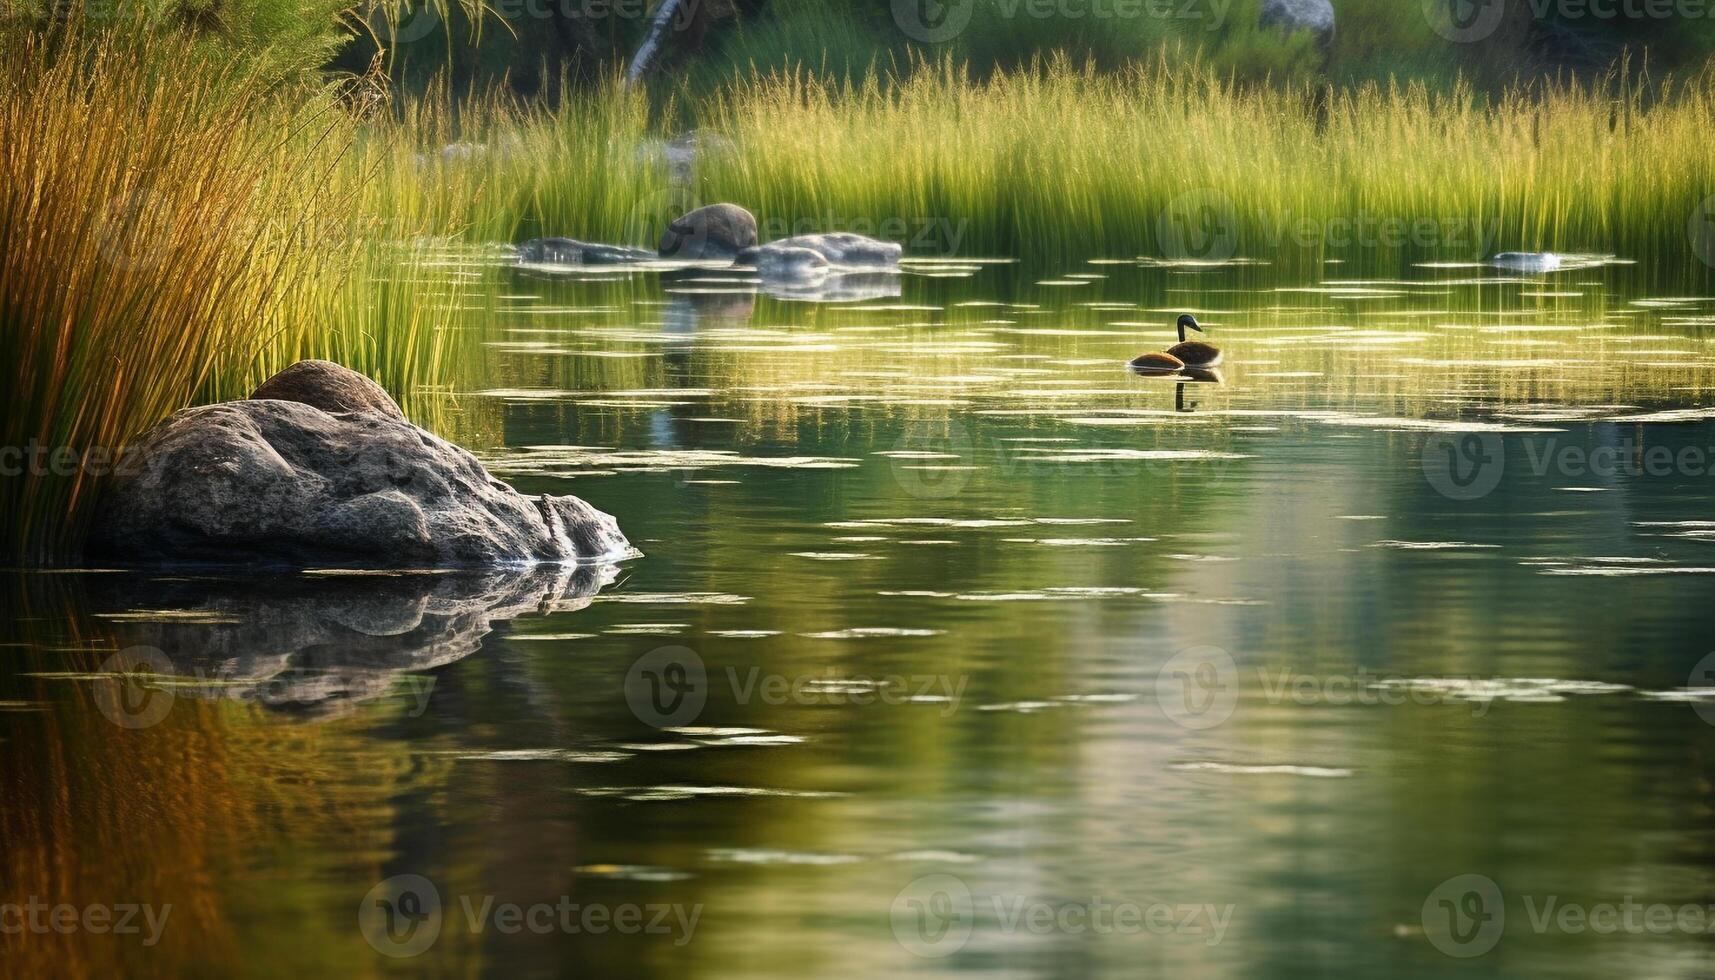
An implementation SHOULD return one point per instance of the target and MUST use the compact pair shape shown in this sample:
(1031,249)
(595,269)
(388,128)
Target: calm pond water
(956,648)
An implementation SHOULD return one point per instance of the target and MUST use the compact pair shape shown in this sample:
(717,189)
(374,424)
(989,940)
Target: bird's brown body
(1157,363)
(1196,353)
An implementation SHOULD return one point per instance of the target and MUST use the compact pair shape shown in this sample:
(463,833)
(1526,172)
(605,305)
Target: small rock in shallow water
(268,480)
(787,262)
(716,231)
(840,249)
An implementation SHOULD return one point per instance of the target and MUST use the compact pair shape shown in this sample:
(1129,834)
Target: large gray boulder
(315,480)
(1316,16)
(712,232)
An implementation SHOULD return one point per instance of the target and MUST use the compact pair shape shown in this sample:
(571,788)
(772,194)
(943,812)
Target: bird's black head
(1189,322)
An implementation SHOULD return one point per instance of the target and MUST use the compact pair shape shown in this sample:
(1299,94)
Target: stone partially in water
(570,251)
(777,261)
(715,231)
(840,250)
(283,482)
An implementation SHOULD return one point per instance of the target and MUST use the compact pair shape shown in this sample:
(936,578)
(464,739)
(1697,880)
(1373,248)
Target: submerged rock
(569,251)
(716,231)
(314,477)
(1316,16)
(1527,261)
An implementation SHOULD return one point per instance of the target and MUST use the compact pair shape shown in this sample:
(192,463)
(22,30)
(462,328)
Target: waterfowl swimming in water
(1156,362)
(1194,353)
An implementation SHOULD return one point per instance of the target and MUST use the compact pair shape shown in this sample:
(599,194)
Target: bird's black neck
(1181,333)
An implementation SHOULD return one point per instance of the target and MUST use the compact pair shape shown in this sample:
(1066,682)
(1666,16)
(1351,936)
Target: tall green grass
(1058,160)
(173,227)
(499,169)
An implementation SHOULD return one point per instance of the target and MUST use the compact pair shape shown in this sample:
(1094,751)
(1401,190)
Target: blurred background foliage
(530,46)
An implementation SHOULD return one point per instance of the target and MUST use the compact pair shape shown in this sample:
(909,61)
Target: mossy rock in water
(321,468)
(715,231)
